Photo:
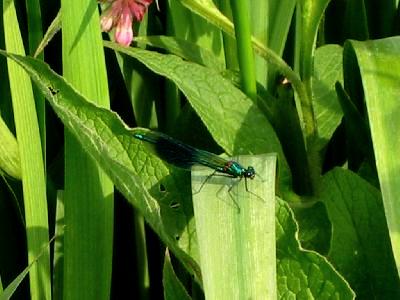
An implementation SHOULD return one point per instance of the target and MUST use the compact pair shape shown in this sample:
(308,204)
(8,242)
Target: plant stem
(241,18)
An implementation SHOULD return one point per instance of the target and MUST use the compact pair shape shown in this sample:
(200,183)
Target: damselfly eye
(250,173)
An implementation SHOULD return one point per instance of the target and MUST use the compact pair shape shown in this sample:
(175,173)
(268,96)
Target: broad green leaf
(134,171)
(217,101)
(236,232)
(173,288)
(9,152)
(315,229)
(30,153)
(184,49)
(379,69)
(327,71)
(360,246)
(303,274)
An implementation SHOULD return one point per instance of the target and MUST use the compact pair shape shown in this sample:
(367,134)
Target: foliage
(304,91)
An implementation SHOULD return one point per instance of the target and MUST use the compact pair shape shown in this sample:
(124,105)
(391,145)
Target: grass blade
(88,193)
(12,287)
(33,178)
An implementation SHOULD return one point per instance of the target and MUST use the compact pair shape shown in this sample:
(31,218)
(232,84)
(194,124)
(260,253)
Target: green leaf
(327,71)
(310,13)
(12,287)
(259,11)
(303,274)
(88,192)
(207,10)
(54,27)
(184,49)
(215,100)
(235,230)
(357,131)
(135,172)
(280,14)
(138,82)
(356,20)
(9,153)
(35,34)
(379,69)
(58,258)
(173,288)
(32,165)
(360,246)
(314,227)
(185,25)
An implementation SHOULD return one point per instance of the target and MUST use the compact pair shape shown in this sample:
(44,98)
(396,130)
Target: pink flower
(124,32)
(121,14)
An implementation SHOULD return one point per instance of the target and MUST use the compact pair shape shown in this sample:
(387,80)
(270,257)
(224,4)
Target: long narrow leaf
(12,287)
(30,150)
(88,191)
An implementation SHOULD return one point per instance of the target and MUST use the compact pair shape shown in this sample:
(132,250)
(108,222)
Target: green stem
(142,260)
(241,18)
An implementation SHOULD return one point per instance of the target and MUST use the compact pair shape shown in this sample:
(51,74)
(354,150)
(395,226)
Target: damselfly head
(250,173)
